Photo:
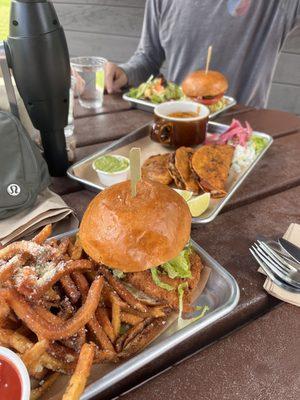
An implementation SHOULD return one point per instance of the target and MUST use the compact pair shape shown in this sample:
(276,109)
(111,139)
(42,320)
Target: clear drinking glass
(91,70)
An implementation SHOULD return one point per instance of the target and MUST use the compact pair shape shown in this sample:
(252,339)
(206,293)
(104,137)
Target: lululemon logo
(13,189)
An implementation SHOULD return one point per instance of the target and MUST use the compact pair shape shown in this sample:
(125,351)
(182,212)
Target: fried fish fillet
(144,282)
(182,164)
(212,163)
(155,168)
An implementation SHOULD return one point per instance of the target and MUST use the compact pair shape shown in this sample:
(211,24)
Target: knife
(292,249)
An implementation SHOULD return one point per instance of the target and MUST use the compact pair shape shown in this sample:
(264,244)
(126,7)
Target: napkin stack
(293,236)
(48,209)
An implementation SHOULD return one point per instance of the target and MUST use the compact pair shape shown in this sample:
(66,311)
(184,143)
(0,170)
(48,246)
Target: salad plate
(158,90)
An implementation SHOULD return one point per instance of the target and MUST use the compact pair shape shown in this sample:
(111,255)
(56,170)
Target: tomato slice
(209,100)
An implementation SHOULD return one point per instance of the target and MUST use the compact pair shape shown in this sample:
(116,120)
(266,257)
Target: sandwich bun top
(135,233)
(200,84)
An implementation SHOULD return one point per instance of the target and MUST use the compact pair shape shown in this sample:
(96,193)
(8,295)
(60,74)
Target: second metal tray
(221,295)
(82,170)
(146,105)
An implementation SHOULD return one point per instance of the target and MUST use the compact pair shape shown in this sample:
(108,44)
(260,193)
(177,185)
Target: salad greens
(157,90)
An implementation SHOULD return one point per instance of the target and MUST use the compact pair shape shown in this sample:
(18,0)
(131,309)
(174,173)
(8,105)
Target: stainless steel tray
(91,182)
(221,294)
(149,107)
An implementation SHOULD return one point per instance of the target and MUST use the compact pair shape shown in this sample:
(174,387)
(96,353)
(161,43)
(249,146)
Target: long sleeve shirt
(246,36)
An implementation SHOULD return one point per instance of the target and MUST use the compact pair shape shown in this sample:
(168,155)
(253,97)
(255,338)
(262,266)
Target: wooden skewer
(208,59)
(135,168)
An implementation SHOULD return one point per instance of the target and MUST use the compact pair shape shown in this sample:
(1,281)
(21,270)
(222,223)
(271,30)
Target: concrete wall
(111,29)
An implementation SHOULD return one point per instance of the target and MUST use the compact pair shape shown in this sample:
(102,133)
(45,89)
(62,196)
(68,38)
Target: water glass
(91,70)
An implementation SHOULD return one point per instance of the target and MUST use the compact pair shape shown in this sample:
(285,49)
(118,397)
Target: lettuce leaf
(180,266)
(181,288)
(158,282)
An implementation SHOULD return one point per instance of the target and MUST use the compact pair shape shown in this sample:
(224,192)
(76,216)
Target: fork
(280,268)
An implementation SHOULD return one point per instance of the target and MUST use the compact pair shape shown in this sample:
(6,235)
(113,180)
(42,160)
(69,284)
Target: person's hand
(115,78)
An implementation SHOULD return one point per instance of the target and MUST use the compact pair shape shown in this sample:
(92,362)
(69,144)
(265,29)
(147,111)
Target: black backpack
(23,170)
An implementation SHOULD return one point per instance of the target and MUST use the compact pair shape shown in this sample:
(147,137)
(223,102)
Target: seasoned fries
(62,313)
(82,372)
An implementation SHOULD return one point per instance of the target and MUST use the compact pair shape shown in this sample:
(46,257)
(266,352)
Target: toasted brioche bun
(135,233)
(200,84)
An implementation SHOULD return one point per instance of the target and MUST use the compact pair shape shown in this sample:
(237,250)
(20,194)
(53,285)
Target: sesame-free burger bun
(135,233)
(198,84)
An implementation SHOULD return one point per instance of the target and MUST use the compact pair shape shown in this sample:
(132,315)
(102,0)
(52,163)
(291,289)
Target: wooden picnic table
(266,204)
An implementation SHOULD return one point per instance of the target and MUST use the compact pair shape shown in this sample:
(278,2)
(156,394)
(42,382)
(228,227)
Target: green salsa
(111,164)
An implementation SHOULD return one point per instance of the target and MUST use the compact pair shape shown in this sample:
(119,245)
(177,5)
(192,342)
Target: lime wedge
(186,194)
(199,204)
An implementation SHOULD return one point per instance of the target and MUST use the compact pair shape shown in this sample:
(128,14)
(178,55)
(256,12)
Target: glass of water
(91,70)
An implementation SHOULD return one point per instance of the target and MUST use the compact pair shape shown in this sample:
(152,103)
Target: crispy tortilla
(174,173)
(212,163)
(155,168)
(143,281)
(182,164)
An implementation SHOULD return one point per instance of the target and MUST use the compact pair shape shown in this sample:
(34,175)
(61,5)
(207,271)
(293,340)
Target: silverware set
(281,266)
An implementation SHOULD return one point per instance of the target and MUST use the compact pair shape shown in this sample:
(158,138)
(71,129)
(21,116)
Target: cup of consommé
(180,123)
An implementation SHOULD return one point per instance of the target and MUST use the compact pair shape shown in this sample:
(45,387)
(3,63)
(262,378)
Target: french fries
(81,374)
(53,299)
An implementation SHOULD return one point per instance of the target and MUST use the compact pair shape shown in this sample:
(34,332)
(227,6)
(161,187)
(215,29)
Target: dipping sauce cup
(14,378)
(175,131)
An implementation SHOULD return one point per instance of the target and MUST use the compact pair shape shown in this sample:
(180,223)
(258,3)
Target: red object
(10,381)
(209,100)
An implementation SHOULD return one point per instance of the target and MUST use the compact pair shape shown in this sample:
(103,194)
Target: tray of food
(158,90)
(85,309)
(213,171)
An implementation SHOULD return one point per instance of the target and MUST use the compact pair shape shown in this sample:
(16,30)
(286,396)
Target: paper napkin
(49,208)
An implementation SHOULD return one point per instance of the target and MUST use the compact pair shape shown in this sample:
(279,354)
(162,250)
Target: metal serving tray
(141,138)
(221,294)
(149,107)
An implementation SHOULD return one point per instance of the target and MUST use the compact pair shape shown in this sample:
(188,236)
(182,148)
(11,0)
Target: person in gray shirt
(246,36)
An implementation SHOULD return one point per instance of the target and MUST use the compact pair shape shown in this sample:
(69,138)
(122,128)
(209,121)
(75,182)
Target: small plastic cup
(111,178)
(16,361)
(91,71)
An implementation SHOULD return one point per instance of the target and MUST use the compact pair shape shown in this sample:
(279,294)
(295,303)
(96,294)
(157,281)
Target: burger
(144,241)
(206,88)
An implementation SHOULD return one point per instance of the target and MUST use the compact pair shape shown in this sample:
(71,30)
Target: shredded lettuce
(158,282)
(259,143)
(180,266)
(119,274)
(181,288)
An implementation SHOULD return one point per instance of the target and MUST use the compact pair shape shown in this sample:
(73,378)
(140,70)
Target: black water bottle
(37,52)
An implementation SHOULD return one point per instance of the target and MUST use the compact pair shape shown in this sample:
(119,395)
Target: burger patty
(144,282)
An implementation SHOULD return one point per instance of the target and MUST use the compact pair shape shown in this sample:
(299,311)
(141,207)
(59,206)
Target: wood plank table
(266,204)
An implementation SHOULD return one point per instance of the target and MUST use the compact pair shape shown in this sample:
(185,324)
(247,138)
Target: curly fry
(93,324)
(102,317)
(43,235)
(70,288)
(35,290)
(7,269)
(46,329)
(121,290)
